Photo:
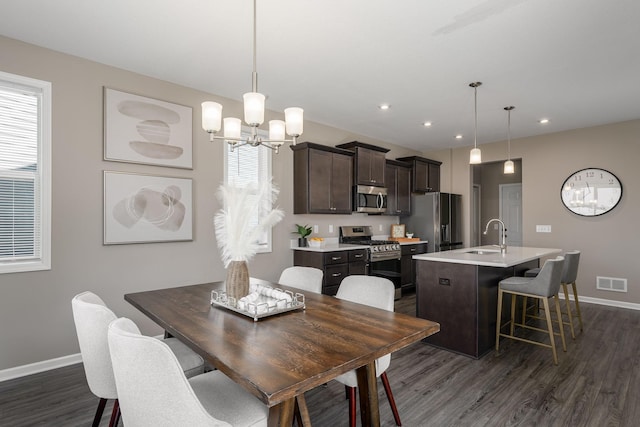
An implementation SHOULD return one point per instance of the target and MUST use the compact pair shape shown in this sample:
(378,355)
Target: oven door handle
(380,201)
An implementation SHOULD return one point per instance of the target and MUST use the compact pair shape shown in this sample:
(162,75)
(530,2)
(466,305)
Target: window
(25,174)
(249,164)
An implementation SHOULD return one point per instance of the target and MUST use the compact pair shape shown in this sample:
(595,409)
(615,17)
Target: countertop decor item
(397,230)
(303,231)
(236,230)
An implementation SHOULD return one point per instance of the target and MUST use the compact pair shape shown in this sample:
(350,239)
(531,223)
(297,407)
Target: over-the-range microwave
(369,199)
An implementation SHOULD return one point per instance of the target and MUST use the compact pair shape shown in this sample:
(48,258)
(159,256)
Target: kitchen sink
(483,251)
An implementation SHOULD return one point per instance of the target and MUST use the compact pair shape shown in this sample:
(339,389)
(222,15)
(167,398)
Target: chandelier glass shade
(254,106)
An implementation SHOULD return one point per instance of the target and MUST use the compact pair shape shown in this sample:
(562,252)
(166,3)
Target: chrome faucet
(503,245)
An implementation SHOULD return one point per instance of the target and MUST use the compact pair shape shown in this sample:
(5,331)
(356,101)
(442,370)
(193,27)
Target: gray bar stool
(544,286)
(569,276)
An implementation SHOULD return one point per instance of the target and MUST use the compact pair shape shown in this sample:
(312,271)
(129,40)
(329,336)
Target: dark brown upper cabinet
(322,179)
(425,177)
(398,179)
(369,163)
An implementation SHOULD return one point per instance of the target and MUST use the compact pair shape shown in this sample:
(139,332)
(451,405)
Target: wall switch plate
(380,227)
(315,228)
(543,229)
(330,228)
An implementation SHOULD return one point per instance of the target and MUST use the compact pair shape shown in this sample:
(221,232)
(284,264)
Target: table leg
(281,414)
(304,411)
(368,391)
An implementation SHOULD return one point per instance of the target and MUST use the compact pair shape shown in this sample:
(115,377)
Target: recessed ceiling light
(384,106)
(426,124)
(458,136)
(543,121)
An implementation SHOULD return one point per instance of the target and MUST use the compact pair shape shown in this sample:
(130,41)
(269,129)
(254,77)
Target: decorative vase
(237,283)
(302,242)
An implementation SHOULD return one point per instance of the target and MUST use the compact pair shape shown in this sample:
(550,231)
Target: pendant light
(475,157)
(508,165)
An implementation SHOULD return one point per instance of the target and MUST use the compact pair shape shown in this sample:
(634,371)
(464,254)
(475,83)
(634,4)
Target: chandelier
(475,156)
(253,117)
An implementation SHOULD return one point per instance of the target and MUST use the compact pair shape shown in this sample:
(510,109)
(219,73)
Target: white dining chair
(375,292)
(92,317)
(153,390)
(303,278)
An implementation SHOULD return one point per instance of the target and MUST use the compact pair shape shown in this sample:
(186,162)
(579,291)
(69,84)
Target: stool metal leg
(575,297)
(559,313)
(498,320)
(547,313)
(567,302)
(513,313)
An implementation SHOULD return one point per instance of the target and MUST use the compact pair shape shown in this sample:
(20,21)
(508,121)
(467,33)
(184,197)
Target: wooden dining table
(278,358)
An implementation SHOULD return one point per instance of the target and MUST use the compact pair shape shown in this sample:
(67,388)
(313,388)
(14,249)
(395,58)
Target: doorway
(511,212)
(488,184)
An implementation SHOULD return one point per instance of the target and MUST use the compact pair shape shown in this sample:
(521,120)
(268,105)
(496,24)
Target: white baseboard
(34,368)
(602,301)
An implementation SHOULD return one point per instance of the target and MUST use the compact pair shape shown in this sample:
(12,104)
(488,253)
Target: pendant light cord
(254,75)
(475,114)
(509,130)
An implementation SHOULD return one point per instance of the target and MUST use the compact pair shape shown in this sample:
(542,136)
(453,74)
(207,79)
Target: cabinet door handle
(335,258)
(358,256)
(413,249)
(336,275)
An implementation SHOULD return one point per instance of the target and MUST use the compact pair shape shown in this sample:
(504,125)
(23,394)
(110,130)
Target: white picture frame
(143,130)
(147,208)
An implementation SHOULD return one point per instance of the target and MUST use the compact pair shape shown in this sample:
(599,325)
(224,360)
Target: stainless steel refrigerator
(436,217)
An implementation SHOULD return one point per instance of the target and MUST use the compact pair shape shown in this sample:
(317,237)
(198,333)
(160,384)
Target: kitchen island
(459,290)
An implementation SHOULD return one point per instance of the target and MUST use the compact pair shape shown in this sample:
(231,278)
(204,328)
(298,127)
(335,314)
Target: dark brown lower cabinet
(335,265)
(463,298)
(408,265)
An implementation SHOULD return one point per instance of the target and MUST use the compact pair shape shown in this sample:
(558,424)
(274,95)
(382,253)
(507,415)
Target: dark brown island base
(459,290)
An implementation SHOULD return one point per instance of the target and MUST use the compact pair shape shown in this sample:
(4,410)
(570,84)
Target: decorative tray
(262,301)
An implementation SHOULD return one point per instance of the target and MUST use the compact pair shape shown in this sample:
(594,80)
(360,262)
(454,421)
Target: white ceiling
(576,62)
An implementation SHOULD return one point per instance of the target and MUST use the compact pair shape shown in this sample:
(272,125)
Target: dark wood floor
(597,383)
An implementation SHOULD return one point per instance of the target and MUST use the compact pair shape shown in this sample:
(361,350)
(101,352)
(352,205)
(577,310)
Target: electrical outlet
(380,227)
(543,229)
(330,228)
(315,228)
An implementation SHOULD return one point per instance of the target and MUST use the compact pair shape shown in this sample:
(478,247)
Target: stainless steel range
(383,255)
(379,250)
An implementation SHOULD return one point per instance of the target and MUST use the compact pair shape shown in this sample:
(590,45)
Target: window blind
(19,173)
(248,164)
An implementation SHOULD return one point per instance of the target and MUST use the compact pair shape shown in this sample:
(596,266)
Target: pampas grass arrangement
(236,232)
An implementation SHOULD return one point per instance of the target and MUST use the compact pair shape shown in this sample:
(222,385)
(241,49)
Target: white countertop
(515,255)
(334,246)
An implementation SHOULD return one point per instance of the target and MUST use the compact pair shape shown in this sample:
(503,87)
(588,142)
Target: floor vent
(611,284)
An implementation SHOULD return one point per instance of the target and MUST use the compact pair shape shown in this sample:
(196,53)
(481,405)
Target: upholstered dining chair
(303,278)
(569,277)
(92,317)
(154,391)
(375,292)
(544,286)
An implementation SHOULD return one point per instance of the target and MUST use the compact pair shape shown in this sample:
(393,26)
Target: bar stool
(544,286)
(569,276)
